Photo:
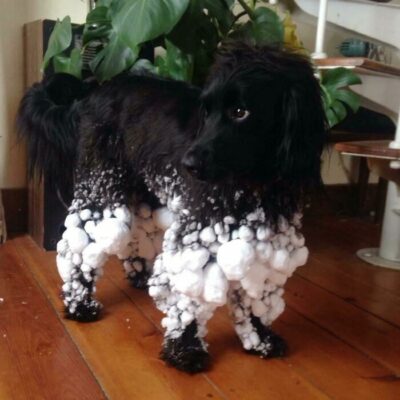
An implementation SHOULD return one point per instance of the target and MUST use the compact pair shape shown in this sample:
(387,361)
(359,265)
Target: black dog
(231,163)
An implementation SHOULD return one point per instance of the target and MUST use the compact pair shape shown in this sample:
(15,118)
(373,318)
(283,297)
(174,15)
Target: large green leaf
(98,25)
(69,65)
(339,77)
(349,98)
(265,27)
(138,21)
(115,58)
(339,109)
(195,30)
(103,3)
(175,64)
(220,10)
(60,40)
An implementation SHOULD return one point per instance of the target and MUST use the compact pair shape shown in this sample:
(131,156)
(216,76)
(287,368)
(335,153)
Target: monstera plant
(188,32)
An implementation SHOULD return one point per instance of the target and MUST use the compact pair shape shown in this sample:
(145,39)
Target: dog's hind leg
(79,262)
(253,317)
(185,323)
(98,225)
(136,270)
(147,237)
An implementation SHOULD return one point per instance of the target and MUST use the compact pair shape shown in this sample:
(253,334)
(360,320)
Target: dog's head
(262,119)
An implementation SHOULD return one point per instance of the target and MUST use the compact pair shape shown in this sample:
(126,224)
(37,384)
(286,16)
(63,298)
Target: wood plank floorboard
(342,325)
(38,360)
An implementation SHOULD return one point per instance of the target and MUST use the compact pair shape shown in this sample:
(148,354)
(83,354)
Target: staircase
(367,20)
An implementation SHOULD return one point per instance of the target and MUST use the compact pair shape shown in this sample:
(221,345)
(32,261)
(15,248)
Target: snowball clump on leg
(112,235)
(235,258)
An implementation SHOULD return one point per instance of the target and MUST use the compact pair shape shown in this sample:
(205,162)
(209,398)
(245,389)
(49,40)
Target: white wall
(13,15)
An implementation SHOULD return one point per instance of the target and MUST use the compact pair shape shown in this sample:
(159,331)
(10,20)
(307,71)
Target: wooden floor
(342,324)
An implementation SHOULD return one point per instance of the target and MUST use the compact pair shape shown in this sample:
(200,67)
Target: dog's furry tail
(48,119)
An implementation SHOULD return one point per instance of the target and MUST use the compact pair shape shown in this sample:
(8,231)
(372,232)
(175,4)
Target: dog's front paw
(192,359)
(85,311)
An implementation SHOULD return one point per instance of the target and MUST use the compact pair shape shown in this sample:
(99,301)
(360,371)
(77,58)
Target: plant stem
(239,15)
(246,8)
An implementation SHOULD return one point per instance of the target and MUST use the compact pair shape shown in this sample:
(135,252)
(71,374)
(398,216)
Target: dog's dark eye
(238,113)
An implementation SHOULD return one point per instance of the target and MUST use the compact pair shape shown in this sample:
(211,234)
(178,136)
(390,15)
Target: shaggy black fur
(251,138)
(138,123)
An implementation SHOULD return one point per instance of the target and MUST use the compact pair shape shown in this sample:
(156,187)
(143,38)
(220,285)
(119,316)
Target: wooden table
(385,162)
(369,148)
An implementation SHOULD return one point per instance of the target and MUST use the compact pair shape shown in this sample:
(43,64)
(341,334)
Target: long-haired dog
(229,164)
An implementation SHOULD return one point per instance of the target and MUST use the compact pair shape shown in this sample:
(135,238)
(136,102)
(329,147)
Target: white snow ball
(112,235)
(223,237)
(277,278)
(253,281)
(229,220)
(215,284)
(76,259)
(254,339)
(252,216)
(77,239)
(186,318)
(218,228)
(277,307)
(299,256)
(263,233)
(189,282)
(195,259)
(107,213)
(94,255)
(72,220)
(283,240)
(163,218)
(280,260)
(297,240)
(264,251)
(89,227)
(85,214)
(62,246)
(123,214)
(245,233)
(64,267)
(235,258)
(258,308)
(207,235)
(214,247)
(86,268)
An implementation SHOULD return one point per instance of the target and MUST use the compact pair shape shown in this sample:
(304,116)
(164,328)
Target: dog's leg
(88,240)
(185,324)
(79,262)
(252,319)
(137,270)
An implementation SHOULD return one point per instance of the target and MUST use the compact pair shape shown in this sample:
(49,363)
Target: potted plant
(188,32)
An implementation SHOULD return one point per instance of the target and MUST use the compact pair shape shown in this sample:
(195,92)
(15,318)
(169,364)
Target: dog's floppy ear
(304,131)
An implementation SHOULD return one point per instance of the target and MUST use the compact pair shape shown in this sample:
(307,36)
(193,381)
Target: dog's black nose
(192,163)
